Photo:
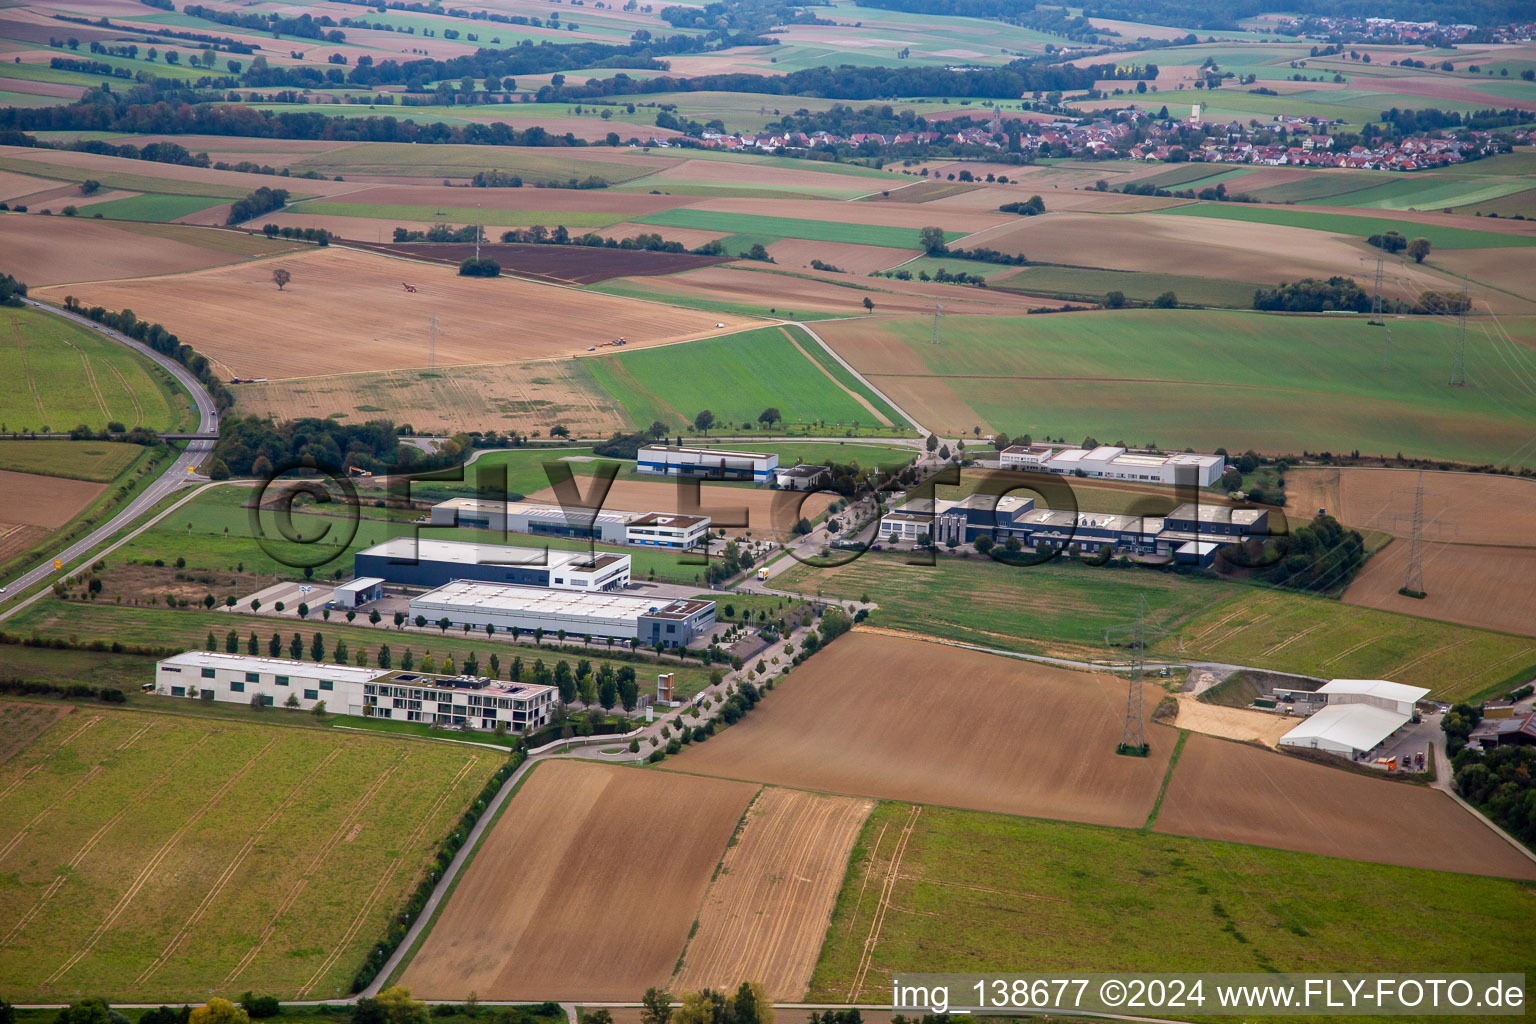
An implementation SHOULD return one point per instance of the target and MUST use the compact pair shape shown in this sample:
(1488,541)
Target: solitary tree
(869,304)
(769,416)
(932,240)
(219,1011)
(1418,248)
(703,421)
(656,1007)
(281,277)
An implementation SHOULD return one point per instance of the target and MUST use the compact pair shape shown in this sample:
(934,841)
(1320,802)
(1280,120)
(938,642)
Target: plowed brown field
(903,719)
(55,250)
(347,310)
(1480,541)
(767,911)
(1225,790)
(35,505)
(805,290)
(585,888)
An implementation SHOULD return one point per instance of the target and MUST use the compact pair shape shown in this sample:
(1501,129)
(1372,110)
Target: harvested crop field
(563,264)
(767,910)
(1489,587)
(905,719)
(848,257)
(1153,242)
(36,505)
(832,293)
(1472,508)
(586,887)
(22,722)
(55,250)
(1235,792)
(752,508)
(524,396)
(347,309)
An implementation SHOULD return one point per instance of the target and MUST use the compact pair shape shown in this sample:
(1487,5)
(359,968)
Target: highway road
(175,475)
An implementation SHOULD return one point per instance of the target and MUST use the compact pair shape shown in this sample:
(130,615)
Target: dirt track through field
(1239,793)
(767,910)
(584,889)
(876,413)
(905,719)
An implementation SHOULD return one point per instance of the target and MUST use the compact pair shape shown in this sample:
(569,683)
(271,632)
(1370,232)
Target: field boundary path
(922,431)
(174,476)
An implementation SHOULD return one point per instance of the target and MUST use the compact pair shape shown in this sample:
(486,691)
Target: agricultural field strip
(883,904)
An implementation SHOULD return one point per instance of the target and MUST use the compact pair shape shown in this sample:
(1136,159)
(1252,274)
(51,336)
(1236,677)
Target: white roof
(275,666)
(506,597)
(1375,688)
(1358,726)
(413,549)
(359,584)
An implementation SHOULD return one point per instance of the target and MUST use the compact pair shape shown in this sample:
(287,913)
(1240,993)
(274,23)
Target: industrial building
(1190,534)
(472,702)
(1111,462)
(576,522)
(706,463)
(645,529)
(357,593)
(649,621)
(432,563)
(1357,716)
(804,477)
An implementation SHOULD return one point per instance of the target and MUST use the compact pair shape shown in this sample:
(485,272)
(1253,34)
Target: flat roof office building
(473,702)
(1111,462)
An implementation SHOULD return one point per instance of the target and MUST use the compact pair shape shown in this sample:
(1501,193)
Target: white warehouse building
(473,702)
(671,622)
(1359,715)
(1111,462)
(706,463)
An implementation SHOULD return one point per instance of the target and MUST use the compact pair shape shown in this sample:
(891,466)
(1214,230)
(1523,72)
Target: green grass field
(141,179)
(637,288)
(789,227)
(61,375)
(97,461)
(1329,639)
(988,893)
(1440,237)
(258,857)
(161,208)
(1062,609)
(1091,285)
(1208,379)
(737,377)
(1428,193)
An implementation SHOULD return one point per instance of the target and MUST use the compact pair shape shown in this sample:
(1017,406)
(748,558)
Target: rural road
(175,474)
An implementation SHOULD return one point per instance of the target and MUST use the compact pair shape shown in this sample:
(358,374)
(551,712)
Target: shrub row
(74,691)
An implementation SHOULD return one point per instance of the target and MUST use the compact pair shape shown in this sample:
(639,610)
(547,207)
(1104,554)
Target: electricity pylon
(1133,739)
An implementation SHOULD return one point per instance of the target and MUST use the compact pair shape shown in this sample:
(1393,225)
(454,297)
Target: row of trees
(263,200)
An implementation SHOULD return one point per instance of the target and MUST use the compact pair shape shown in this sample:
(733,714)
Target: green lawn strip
(635,288)
(1088,284)
(1145,902)
(740,375)
(96,461)
(152,207)
(790,227)
(1439,236)
(1162,791)
(536,164)
(819,356)
(62,375)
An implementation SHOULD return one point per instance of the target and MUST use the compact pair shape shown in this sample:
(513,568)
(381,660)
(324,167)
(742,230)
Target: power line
(432,350)
(1133,739)
(938,311)
(1459,367)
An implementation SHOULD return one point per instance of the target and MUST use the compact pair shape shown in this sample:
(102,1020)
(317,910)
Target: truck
(762,574)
